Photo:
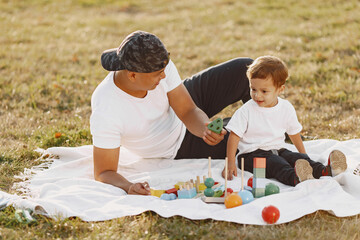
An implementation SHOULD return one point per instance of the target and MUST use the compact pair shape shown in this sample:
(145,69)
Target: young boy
(258,128)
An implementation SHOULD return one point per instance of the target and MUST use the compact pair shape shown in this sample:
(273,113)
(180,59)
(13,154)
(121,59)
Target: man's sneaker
(303,170)
(337,162)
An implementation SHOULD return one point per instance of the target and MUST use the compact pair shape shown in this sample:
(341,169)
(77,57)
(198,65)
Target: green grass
(49,67)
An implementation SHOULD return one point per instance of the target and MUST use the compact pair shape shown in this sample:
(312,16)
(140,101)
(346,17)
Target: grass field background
(50,65)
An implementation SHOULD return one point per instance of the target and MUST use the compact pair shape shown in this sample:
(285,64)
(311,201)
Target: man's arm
(105,170)
(297,141)
(193,117)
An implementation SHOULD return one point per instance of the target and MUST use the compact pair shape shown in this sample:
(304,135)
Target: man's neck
(121,81)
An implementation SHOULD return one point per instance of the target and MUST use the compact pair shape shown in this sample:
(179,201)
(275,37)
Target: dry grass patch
(49,67)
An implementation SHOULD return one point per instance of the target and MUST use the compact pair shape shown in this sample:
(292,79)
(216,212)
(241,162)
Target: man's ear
(131,76)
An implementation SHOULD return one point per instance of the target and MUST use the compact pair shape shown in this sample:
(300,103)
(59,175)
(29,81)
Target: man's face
(264,92)
(149,81)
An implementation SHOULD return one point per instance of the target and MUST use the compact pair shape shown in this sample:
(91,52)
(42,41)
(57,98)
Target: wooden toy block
(259,162)
(226,176)
(177,185)
(248,188)
(258,192)
(218,193)
(192,192)
(259,182)
(218,186)
(271,188)
(172,190)
(259,172)
(186,193)
(209,192)
(209,182)
(259,187)
(209,167)
(228,190)
(216,125)
(202,187)
(168,197)
(156,193)
(213,199)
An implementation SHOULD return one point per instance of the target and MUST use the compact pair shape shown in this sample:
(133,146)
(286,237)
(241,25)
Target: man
(144,106)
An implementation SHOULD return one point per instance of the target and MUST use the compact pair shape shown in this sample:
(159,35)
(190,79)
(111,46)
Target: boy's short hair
(266,66)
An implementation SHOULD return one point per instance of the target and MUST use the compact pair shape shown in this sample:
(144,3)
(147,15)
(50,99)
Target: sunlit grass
(50,65)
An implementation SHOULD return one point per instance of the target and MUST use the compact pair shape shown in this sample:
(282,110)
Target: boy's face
(264,92)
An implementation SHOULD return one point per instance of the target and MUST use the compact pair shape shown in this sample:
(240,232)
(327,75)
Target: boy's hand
(139,189)
(232,170)
(212,138)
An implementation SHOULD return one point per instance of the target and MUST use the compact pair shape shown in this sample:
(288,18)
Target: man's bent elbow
(97,177)
(101,176)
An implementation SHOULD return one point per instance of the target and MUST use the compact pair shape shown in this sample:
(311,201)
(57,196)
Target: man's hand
(232,170)
(212,138)
(139,189)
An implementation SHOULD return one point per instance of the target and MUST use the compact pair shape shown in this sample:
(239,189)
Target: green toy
(271,188)
(209,192)
(216,126)
(218,193)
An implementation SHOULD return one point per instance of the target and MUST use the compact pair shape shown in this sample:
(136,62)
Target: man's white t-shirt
(146,126)
(263,128)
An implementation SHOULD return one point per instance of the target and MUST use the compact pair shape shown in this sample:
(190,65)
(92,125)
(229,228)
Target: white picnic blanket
(67,188)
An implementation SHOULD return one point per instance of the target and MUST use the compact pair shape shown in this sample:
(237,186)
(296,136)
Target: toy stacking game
(259,180)
(209,182)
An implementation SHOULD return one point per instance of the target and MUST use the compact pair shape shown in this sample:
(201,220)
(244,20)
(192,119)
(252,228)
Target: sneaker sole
(357,170)
(303,170)
(337,162)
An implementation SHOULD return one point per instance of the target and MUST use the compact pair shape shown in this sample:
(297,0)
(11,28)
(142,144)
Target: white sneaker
(337,162)
(303,170)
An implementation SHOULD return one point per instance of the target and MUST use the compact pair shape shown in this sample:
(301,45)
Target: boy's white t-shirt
(263,128)
(146,126)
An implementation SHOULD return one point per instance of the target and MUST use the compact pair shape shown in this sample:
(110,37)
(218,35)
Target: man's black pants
(212,90)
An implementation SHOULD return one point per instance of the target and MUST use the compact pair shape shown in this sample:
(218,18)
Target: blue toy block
(222,188)
(184,193)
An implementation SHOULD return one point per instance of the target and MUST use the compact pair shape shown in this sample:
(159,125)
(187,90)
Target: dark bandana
(139,52)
